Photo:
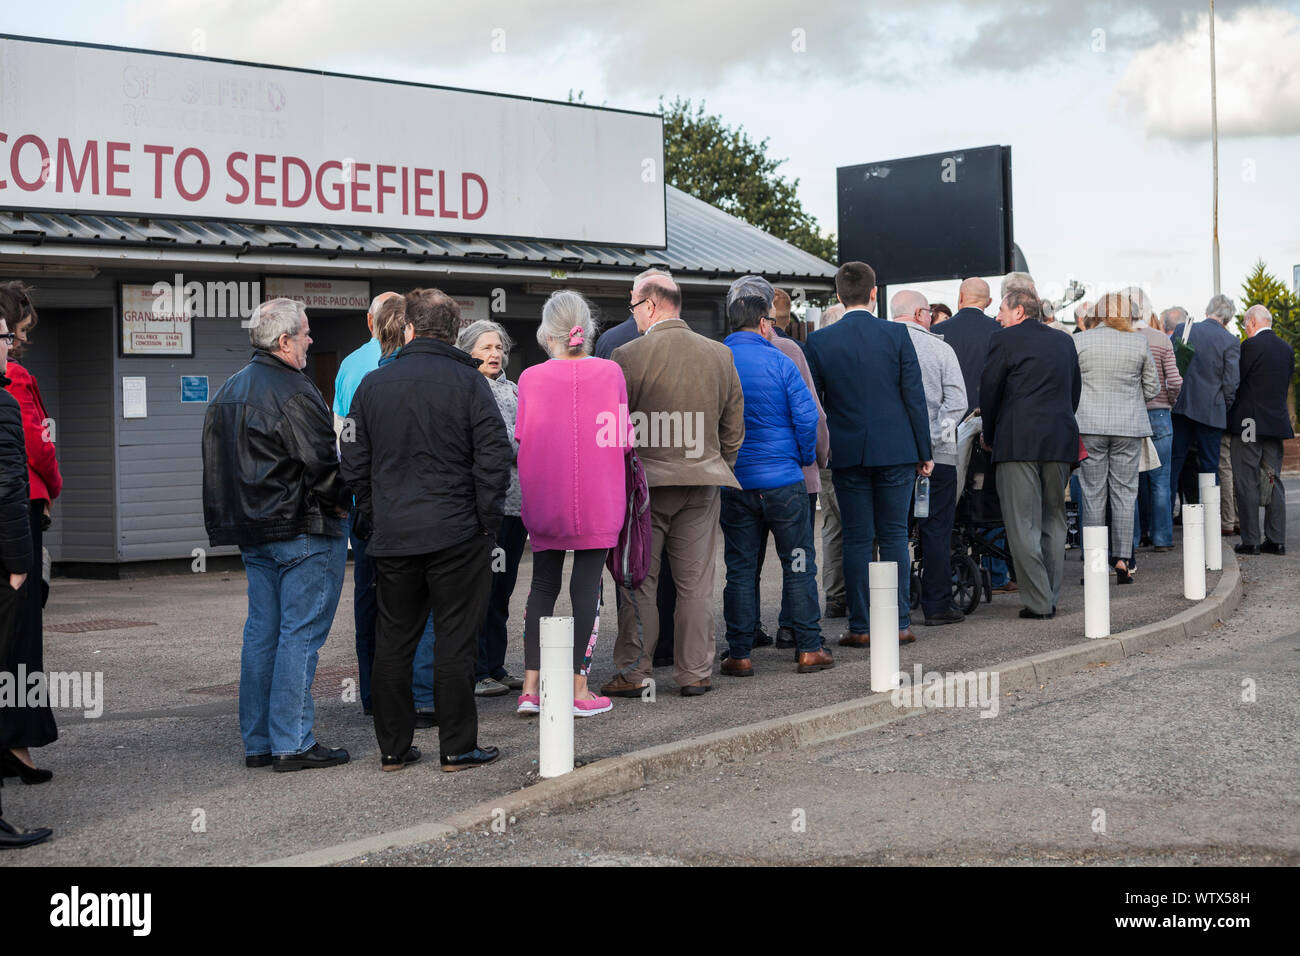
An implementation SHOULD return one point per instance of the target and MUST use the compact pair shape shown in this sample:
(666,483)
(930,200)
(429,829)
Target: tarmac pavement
(159,779)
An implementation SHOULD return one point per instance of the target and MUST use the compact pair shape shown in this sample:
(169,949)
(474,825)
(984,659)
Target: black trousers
(455,582)
(935,533)
(28,726)
(584,597)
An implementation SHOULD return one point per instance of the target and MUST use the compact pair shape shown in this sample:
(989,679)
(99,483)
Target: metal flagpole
(1214,141)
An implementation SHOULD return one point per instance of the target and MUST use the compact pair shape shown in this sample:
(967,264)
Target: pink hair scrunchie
(575,335)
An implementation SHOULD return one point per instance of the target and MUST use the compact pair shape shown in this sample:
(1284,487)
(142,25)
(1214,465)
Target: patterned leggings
(584,595)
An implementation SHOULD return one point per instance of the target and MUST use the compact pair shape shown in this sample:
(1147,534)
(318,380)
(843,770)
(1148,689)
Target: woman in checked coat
(1118,376)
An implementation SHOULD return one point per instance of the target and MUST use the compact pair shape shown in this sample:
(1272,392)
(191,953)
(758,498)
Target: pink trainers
(529,704)
(590,708)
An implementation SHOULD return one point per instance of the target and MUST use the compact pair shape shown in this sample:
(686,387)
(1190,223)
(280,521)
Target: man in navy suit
(1259,423)
(1209,388)
(1029,394)
(867,375)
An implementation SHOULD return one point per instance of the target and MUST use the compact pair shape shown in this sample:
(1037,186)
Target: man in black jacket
(1029,392)
(1259,422)
(271,486)
(429,463)
(15,535)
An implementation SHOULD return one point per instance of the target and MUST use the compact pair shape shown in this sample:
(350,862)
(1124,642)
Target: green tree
(724,167)
(1263,288)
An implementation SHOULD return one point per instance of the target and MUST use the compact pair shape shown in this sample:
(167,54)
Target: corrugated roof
(702,240)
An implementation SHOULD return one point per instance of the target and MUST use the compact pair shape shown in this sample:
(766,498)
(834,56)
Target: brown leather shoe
(698,689)
(853,639)
(738,667)
(620,686)
(818,660)
(1011,587)
(906,637)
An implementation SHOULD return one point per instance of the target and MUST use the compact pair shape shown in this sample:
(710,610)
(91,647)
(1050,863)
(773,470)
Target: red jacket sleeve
(42,465)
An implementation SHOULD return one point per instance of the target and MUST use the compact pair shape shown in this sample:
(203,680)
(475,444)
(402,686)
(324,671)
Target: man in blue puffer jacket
(780,437)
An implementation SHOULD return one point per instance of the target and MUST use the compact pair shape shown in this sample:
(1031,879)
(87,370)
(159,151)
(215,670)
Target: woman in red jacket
(24,727)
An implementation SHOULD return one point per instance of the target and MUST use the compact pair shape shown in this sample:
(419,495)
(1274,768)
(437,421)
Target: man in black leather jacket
(15,535)
(271,485)
(429,462)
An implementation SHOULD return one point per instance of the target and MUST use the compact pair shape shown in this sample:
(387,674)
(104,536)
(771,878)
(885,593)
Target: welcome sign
(103,129)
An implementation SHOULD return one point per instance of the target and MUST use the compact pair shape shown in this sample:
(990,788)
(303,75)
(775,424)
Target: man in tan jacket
(685,404)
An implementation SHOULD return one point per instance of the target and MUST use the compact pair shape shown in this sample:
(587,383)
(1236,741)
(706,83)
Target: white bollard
(882,576)
(1194,552)
(1206,479)
(1210,498)
(1096,582)
(555,748)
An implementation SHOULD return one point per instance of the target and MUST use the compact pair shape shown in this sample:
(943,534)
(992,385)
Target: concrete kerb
(615,775)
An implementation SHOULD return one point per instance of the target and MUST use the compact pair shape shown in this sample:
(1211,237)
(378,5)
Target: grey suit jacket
(1119,376)
(1210,382)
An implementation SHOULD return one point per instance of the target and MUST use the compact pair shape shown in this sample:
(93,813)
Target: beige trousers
(685,519)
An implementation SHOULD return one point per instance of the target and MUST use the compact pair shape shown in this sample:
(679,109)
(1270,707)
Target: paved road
(1189,755)
(159,777)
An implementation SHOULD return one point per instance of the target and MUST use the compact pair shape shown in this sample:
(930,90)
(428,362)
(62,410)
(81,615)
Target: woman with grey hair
(572,461)
(488,342)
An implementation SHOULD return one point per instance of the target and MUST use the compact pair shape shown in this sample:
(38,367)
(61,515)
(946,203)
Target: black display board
(924,218)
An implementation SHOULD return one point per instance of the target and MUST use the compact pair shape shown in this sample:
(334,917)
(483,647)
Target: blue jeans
(365,608)
(873,509)
(997,568)
(746,517)
(1153,502)
(293,591)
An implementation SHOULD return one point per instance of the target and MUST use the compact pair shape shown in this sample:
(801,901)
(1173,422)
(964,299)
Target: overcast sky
(1105,105)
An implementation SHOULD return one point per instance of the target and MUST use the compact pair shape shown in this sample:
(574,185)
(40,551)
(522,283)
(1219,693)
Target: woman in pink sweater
(572,476)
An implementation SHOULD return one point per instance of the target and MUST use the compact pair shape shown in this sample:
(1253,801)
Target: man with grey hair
(781,422)
(364,607)
(1209,388)
(1171,318)
(271,485)
(675,375)
(1258,423)
(945,399)
(1018,282)
(666,599)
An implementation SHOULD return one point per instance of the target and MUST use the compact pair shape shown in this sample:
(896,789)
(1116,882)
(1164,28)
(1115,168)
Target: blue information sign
(194,388)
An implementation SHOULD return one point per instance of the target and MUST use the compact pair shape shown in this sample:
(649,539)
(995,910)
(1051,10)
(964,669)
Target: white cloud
(1167,86)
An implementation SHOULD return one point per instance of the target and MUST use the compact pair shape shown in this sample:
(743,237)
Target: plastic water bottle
(922,509)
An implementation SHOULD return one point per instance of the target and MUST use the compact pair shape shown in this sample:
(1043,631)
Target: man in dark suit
(1259,423)
(867,375)
(968,334)
(1028,395)
(1209,388)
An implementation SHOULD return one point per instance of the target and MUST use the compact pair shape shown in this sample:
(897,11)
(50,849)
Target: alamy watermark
(652,430)
(207,300)
(954,689)
(62,690)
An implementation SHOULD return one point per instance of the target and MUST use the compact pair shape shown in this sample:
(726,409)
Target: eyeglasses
(8,337)
(631,309)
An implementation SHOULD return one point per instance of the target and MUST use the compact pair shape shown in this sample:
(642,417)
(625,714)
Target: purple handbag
(629,560)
